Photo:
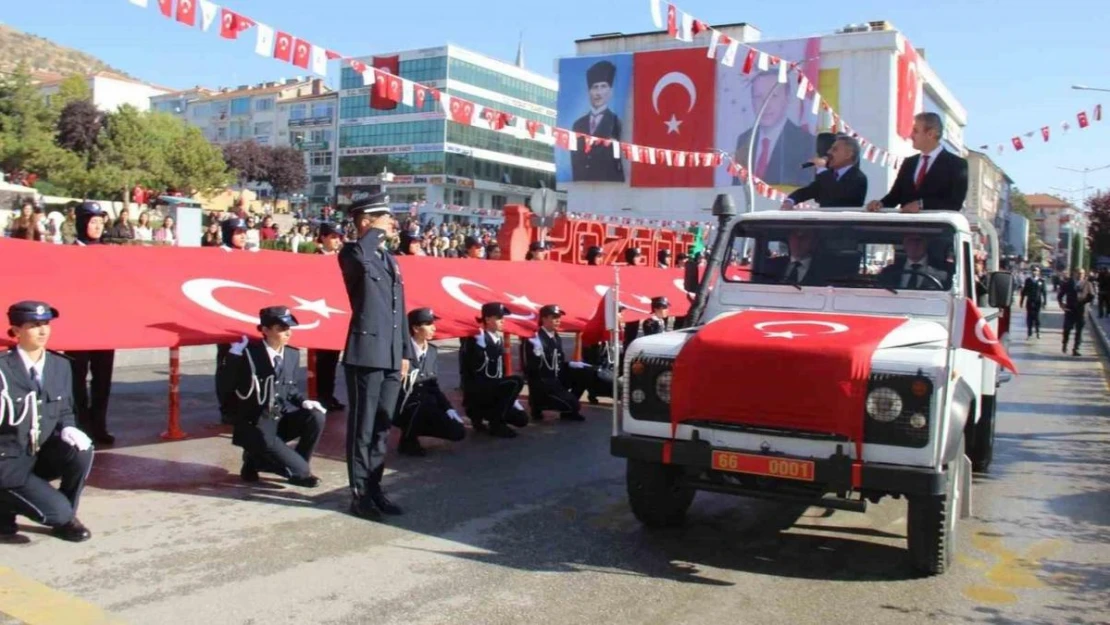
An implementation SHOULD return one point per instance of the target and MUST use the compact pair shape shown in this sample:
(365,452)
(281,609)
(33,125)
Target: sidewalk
(1100,328)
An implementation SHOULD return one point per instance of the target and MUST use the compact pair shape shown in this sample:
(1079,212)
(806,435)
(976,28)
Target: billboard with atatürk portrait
(594,93)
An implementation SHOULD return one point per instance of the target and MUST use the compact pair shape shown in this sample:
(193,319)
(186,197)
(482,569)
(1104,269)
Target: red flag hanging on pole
(389,65)
(980,337)
(187,12)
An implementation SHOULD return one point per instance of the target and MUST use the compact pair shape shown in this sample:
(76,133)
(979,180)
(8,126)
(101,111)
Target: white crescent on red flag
(283,47)
(978,336)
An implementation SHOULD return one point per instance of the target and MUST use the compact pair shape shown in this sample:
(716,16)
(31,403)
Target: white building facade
(111,91)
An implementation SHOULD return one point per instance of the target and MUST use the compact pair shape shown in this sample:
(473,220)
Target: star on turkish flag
(980,337)
(302,53)
(283,47)
(187,12)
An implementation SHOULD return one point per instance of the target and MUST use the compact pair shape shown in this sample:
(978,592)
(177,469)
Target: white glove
(516,404)
(454,415)
(77,438)
(313,405)
(237,349)
(575,364)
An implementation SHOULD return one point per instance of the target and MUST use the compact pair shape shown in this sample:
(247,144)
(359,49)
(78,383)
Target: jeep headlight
(884,404)
(663,387)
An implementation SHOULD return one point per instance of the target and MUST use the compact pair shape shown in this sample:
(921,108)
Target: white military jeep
(743,419)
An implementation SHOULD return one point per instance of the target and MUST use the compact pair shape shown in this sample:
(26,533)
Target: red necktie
(764,156)
(921,174)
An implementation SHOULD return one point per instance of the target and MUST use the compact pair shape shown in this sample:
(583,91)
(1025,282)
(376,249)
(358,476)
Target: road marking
(1012,571)
(34,603)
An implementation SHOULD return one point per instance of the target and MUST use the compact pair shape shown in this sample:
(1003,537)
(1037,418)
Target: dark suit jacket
(892,275)
(944,187)
(551,364)
(780,267)
(1034,293)
(425,386)
(850,190)
(252,370)
(378,334)
(480,357)
(598,164)
(795,146)
(55,408)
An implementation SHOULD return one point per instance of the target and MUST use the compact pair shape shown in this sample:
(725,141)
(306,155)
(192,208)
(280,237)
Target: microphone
(807,165)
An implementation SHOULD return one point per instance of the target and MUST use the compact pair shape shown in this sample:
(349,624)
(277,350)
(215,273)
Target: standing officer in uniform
(1034,294)
(327,360)
(553,383)
(489,394)
(91,401)
(38,438)
(234,234)
(269,409)
(378,351)
(423,409)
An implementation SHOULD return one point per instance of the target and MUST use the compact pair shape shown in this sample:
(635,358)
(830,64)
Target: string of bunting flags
(387,89)
(1082,119)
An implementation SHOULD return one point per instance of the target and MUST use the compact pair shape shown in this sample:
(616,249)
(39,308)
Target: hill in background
(43,56)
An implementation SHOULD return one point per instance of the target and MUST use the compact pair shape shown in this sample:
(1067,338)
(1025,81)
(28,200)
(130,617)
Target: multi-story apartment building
(436,162)
(109,90)
(1056,220)
(296,111)
(984,187)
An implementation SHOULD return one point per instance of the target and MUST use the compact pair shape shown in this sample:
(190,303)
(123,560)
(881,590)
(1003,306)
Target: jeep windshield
(891,256)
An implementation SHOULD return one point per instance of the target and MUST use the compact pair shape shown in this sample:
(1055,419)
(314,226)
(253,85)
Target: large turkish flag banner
(137,297)
(379,99)
(803,371)
(674,109)
(909,85)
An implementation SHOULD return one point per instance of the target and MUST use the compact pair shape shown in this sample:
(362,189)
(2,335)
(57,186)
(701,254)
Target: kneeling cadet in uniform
(489,394)
(269,410)
(39,440)
(553,383)
(422,408)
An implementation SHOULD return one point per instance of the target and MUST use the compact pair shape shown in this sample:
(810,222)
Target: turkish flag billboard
(137,297)
(909,86)
(674,110)
(392,65)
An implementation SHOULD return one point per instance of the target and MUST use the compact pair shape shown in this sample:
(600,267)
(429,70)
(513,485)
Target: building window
(498,201)
(505,108)
(199,110)
(221,134)
(492,80)
(220,109)
(481,169)
(237,131)
(298,111)
(400,133)
(321,136)
(319,159)
(263,128)
(460,197)
(322,109)
(354,107)
(241,106)
(264,104)
(398,164)
(486,139)
(419,70)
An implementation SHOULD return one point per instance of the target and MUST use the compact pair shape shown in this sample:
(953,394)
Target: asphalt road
(536,530)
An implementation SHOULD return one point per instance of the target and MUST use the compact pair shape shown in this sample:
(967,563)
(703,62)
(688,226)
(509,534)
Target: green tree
(27,128)
(73,88)
(1033,243)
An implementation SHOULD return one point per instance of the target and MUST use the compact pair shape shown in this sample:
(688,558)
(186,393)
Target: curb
(1103,340)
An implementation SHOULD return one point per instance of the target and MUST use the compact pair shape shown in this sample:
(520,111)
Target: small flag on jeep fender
(979,337)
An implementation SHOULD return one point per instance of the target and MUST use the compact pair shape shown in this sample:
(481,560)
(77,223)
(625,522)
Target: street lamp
(1086,88)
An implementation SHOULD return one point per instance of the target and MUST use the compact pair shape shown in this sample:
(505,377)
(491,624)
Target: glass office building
(435,161)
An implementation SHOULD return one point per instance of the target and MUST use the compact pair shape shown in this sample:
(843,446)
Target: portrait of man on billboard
(781,145)
(600,121)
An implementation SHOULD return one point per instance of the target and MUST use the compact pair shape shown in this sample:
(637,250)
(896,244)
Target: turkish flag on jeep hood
(113,297)
(803,371)
(980,337)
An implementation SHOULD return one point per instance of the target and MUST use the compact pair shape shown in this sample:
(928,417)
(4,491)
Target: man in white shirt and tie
(934,179)
(797,268)
(914,272)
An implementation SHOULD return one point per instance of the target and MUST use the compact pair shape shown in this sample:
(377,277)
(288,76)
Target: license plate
(763,465)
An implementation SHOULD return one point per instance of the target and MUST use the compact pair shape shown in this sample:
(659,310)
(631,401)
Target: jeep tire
(981,450)
(931,524)
(655,494)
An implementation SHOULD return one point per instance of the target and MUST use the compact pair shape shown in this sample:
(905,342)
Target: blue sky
(1010,62)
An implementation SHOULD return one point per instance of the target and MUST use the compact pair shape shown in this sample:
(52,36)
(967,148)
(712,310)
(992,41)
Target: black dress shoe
(104,438)
(334,404)
(593,399)
(572,416)
(365,510)
(411,447)
(248,473)
(8,526)
(502,431)
(73,531)
(308,482)
(385,505)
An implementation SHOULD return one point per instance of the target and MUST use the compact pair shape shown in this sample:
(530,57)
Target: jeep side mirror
(690,276)
(1000,290)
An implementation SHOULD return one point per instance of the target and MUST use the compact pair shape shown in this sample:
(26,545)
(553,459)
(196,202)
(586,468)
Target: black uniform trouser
(265,443)
(600,387)
(40,501)
(423,415)
(492,399)
(1073,320)
(1103,302)
(90,399)
(327,362)
(225,380)
(371,400)
(1033,320)
(562,393)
